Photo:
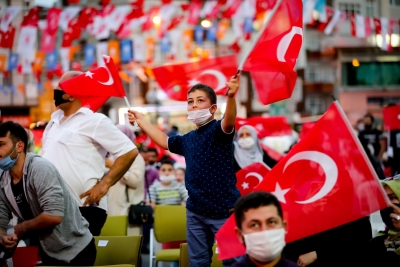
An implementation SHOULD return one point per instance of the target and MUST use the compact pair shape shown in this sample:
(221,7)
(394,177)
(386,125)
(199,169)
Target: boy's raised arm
(228,123)
(151,131)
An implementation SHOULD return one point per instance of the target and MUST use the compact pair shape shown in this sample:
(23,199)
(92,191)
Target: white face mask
(246,143)
(167,178)
(200,116)
(265,246)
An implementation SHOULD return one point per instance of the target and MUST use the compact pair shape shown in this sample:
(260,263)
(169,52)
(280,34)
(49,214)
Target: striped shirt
(174,194)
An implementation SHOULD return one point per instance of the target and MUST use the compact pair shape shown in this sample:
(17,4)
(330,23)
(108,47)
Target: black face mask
(58,97)
(368,126)
(385,214)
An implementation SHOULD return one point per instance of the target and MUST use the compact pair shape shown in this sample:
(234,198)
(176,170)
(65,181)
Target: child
(180,171)
(167,191)
(210,176)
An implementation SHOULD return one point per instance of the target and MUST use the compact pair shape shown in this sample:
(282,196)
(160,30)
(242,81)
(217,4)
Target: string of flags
(205,21)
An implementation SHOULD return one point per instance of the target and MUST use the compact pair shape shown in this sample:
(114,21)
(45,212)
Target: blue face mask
(7,163)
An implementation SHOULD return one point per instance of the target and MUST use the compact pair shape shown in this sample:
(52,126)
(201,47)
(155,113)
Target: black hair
(255,200)
(17,133)
(370,116)
(167,162)
(175,128)
(206,89)
(152,149)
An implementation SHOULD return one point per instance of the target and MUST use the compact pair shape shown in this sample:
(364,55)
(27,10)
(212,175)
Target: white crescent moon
(110,78)
(284,43)
(220,77)
(326,163)
(257,175)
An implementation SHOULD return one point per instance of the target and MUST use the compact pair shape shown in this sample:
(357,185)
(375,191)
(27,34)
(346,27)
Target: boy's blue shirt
(210,177)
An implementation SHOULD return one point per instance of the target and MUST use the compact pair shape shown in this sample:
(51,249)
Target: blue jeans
(200,236)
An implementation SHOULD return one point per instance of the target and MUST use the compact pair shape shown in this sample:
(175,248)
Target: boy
(210,176)
(167,191)
(261,229)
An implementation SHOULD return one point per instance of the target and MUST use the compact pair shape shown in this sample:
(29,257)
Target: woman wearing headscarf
(384,249)
(130,188)
(248,149)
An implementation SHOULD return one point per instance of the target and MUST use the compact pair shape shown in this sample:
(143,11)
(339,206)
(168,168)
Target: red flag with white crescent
(283,35)
(391,118)
(326,179)
(251,176)
(100,82)
(177,79)
(266,126)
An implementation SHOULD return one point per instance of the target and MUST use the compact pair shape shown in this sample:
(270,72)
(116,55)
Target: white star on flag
(279,193)
(193,82)
(245,185)
(89,74)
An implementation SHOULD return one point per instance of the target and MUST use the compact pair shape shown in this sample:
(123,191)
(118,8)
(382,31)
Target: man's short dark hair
(152,149)
(167,162)
(206,89)
(175,128)
(17,133)
(255,200)
(370,116)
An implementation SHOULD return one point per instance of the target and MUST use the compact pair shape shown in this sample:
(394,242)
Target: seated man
(260,227)
(32,189)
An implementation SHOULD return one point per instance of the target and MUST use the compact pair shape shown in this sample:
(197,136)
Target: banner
(126,51)
(89,55)
(12,62)
(51,60)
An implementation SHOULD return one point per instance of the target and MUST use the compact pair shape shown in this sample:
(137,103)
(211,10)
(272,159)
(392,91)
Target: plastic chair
(115,226)
(169,226)
(112,250)
(184,257)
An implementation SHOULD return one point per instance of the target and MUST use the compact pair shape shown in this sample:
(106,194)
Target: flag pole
(129,107)
(273,11)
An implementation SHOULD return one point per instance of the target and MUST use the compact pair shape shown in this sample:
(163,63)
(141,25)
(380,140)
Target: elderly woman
(130,188)
(384,249)
(248,149)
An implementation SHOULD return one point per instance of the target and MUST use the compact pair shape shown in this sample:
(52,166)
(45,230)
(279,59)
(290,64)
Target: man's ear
(284,225)
(20,147)
(66,96)
(239,235)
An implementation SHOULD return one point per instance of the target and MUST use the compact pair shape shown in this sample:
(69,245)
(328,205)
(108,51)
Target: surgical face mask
(361,127)
(58,97)
(385,214)
(265,246)
(246,143)
(199,117)
(7,163)
(167,178)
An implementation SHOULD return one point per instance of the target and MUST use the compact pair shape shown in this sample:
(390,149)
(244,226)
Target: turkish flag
(326,179)
(8,16)
(7,38)
(148,24)
(32,18)
(378,26)
(94,87)
(266,126)
(232,8)
(86,16)
(251,176)
(48,42)
(305,128)
(391,118)
(329,14)
(194,13)
(53,16)
(177,79)
(283,36)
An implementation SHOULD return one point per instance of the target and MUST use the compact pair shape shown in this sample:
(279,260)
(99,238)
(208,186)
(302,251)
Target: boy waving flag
(210,177)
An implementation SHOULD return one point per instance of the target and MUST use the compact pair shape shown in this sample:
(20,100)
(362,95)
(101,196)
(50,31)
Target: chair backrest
(115,226)
(184,257)
(169,223)
(112,250)
(25,256)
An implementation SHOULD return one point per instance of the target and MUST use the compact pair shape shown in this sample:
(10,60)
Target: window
(371,74)
(350,8)
(316,104)
(395,3)
(320,73)
(371,8)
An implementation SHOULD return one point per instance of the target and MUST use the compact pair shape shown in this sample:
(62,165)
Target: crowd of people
(89,168)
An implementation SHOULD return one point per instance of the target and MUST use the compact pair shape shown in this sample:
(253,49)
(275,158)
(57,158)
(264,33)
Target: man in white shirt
(76,141)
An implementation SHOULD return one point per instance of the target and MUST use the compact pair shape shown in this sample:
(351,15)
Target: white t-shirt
(78,146)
